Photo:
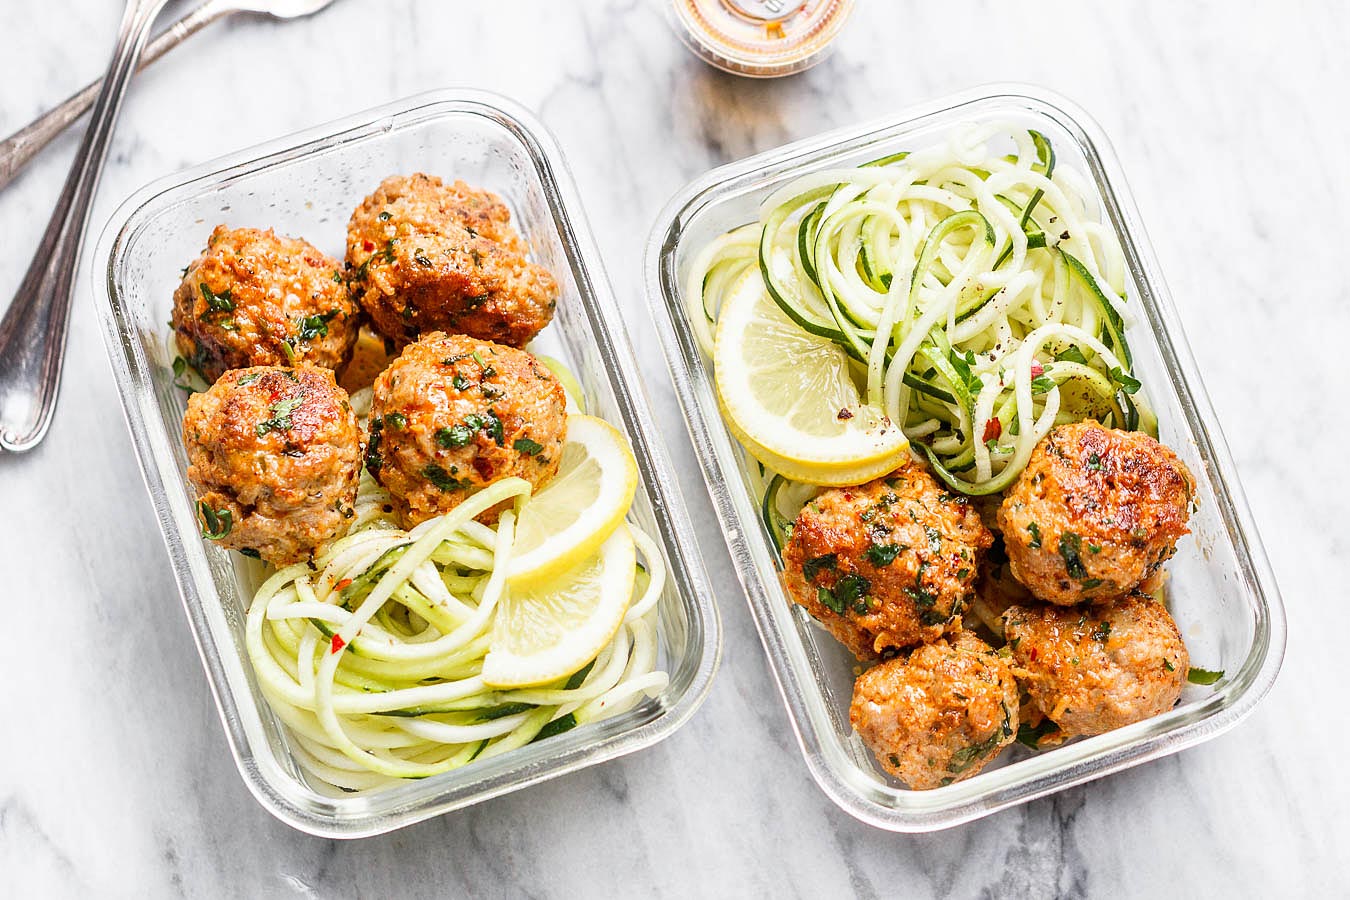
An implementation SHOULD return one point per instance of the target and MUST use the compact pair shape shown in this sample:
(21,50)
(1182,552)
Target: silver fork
(24,144)
(33,331)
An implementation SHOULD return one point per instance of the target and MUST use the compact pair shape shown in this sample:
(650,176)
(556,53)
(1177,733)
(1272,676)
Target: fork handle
(33,331)
(24,144)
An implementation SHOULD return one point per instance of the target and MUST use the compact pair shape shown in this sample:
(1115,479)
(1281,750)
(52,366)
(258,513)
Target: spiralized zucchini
(977,292)
(372,657)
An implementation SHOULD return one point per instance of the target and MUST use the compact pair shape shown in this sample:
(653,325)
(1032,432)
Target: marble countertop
(1229,118)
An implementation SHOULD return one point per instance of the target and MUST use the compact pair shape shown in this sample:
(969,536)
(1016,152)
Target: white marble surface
(1230,120)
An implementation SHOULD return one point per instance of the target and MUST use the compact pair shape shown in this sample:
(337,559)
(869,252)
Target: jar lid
(760,38)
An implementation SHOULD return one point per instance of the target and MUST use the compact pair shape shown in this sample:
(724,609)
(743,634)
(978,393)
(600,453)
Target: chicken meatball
(274,455)
(453,414)
(885,564)
(1095,513)
(426,256)
(939,716)
(1100,667)
(255,299)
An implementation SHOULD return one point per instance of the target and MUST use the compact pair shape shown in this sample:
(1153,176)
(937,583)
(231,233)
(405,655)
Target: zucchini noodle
(372,655)
(973,285)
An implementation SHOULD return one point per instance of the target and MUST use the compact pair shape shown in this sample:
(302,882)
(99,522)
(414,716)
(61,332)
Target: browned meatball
(425,256)
(255,299)
(1099,667)
(275,457)
(885,564)
(454,414)
(940,716)
(1096,512)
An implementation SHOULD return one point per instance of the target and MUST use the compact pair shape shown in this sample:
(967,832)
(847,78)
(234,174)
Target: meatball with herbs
(254,298)
(452,414)
(274,455)
(426,256)
(939,716)
(1099,667)
(889,563)
(1095,514)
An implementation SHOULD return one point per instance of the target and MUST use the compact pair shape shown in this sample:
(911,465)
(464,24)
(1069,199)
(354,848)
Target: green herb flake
(442,479)
(1203,676)
(814,566)
(281,415)
(829,600)
(216,523)
(250,553)
(396,420)
(222,302)
(1102,632)
(1167,664)
(1031,736)
(882,554)
(1128,383)
(1042,384)
(1070,550)
(1035,531)
(460,383)
(850,590)
(1094,463)
(316,325)
(527,446)
(1071,354)
(455,436)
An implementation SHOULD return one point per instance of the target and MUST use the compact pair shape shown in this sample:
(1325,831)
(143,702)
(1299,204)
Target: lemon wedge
(551,628)
(568,519)
(789,397)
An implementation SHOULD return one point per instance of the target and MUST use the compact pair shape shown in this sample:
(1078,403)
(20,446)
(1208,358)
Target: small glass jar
(759,38)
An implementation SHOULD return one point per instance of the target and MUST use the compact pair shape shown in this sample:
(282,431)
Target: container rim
(918,811)
(636,729)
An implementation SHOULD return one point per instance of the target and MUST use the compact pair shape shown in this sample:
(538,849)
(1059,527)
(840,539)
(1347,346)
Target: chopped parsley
(527,446)
(1071,354)
(216,523)
(1094,463)
(1167,664)
(442,479)
(1030,736)
(281,415)
(850,592)
(967,756)
(1042,384)
(316,325)
(222,302)
(1102,631)
(1128,383)
(882,554)
(243,379)
(1070,548)
(396,420)
(455,436)
(813,567)
(1035,531)
(460,382)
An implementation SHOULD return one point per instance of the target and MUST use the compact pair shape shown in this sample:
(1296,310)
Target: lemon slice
(784,390)
(806,474)
(580,507)
(551,628)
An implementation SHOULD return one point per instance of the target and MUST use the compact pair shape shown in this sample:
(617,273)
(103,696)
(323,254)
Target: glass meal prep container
(1221,591)
(307,185)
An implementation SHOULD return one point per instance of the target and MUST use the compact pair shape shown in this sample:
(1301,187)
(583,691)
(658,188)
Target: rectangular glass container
(1221,592)
(307,185)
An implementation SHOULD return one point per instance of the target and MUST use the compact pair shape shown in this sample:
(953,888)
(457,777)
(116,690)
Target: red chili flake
(338,644)
(992,429)
(367,246)
(342,584)
(1037,370)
